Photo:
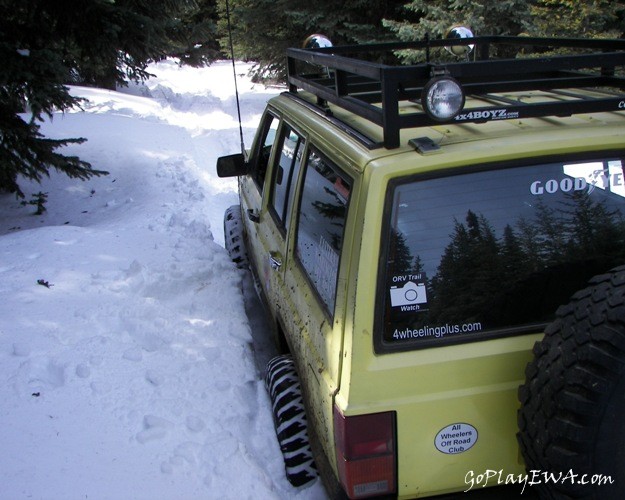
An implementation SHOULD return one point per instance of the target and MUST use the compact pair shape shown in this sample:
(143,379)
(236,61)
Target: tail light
(366,453)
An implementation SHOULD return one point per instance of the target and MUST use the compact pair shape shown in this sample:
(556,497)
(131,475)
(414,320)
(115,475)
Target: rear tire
(233,236)
(572,411)
(290,420)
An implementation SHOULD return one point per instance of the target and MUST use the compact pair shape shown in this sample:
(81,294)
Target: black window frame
(312,148)
(379,344)
(292,176)
(260,145)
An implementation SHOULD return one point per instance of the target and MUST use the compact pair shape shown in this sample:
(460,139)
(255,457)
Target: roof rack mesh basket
(345,76)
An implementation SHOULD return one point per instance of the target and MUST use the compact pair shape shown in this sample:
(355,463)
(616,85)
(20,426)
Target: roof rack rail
(341,75)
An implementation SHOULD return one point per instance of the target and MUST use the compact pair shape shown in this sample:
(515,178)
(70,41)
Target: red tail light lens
(365,453)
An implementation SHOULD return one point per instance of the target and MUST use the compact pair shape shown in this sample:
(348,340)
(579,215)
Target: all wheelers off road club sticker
(456,438)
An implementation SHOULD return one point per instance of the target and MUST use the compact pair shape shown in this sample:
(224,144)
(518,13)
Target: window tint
(285,173)
(268,133)
(323,211)
(485,252)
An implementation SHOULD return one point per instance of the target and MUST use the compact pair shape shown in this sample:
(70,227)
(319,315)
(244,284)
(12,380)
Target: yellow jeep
(437,246)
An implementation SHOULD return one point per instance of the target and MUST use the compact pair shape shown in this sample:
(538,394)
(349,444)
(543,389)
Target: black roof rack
(342,75)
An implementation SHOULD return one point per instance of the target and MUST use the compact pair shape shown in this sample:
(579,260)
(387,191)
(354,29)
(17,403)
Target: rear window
(495,252)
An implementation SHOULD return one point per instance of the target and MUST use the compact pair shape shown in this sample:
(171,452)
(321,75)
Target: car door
(315,279)
(271,223)
(253,188)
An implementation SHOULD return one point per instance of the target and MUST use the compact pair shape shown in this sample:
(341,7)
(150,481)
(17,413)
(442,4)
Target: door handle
(253,215)
(275,261)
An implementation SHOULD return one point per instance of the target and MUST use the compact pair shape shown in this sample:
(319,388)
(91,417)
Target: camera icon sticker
(410,296)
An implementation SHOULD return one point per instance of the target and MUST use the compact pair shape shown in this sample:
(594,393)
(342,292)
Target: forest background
(46,45)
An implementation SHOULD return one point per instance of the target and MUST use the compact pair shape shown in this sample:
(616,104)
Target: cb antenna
(234,71)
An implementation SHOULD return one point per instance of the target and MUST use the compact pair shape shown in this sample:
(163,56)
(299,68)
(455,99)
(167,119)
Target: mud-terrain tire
(233,236)
(572,415)
(290,420)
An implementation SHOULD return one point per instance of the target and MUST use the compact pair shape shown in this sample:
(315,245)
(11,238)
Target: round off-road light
(442,98)
(458,33)
(317,41)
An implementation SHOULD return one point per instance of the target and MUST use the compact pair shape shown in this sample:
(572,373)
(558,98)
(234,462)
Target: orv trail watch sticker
(409,294)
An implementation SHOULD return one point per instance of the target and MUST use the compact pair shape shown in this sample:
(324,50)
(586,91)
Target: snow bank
(126,356)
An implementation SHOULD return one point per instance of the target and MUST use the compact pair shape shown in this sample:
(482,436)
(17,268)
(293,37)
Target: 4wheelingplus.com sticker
(408,296)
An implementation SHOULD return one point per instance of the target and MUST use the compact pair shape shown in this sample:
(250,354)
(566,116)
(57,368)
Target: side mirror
(232,165)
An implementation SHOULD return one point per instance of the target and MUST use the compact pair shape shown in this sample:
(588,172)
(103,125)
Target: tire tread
(289,414)
(571,379)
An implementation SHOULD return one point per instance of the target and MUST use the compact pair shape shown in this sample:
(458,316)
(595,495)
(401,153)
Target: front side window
(322,216)
(489,253)
(266,139)
(288,161)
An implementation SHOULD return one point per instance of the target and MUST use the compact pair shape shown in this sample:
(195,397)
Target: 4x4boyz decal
(487,115)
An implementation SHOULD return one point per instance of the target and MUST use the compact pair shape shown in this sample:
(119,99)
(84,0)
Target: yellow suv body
(410,272)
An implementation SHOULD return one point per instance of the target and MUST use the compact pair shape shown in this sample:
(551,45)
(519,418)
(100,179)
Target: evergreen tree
(514,261)
(592,230)
(469,274)
(194,39)
(107,42)
(262,30)
(417,266)
(400,259)
(451,283)
(578,18)
(45,44)
(530,241)
(435,17)
(351,21)
(31,79)
(259,33)
(552,235)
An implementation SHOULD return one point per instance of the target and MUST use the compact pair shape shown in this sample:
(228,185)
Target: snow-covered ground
(127,365)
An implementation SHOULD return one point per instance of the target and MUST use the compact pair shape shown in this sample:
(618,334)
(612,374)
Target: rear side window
(492,253)
(323,212)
